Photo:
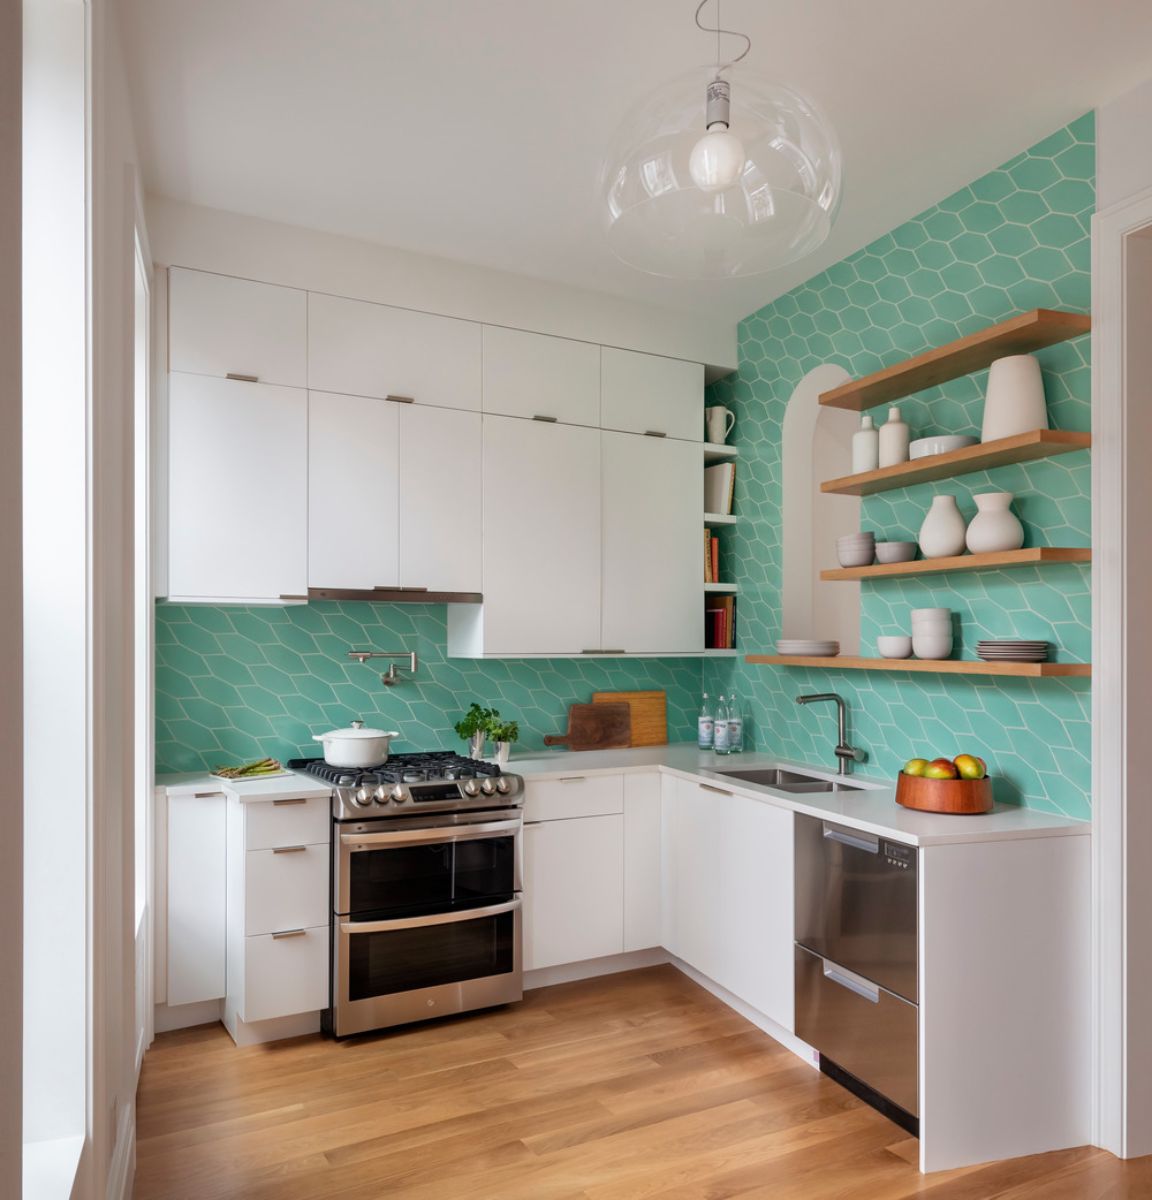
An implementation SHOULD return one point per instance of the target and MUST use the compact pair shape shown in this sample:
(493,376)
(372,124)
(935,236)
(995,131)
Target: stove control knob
(380,795)
(503,786)
(398,794)
(363,797)
(487,787)
(470,787)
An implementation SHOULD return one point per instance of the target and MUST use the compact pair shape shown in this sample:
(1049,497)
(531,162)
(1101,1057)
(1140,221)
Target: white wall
(1124,146)
(190,236)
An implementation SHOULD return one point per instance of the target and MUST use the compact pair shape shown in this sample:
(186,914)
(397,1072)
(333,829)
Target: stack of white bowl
(932,632)
(856,549)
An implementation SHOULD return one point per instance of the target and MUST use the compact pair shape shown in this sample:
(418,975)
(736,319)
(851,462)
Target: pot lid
(356,730)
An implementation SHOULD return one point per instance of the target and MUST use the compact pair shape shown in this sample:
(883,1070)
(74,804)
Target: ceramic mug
(718,421)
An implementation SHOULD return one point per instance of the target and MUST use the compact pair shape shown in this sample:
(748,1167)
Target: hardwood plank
(1018,335)
(998,560)
(984,456)
(943,666)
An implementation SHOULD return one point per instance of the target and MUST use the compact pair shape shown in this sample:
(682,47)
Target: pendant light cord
(717,30)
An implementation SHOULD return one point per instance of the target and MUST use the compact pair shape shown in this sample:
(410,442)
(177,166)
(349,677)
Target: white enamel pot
(356,746)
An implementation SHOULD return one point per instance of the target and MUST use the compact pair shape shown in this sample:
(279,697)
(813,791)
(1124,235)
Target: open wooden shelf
(722,589)
(1035,556)
(943,666)
(720,518)
(1018,335)
(714,453)
(1023,447)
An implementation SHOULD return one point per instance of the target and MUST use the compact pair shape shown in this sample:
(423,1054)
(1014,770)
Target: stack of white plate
(807,648)
(1010,650)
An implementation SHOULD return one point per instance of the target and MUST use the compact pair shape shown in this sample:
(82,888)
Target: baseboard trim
(256,1033)
(590,968)
(166,1018)
(122,1168)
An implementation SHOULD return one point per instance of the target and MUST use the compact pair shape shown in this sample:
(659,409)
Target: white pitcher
(718,422)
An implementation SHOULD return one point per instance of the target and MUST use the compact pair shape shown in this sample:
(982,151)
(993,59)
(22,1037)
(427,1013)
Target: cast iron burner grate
(434,766)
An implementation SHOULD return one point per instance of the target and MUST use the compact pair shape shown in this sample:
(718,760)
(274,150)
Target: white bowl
(926,447)
(932,645)
(894,647)
(895,552)
(865,556)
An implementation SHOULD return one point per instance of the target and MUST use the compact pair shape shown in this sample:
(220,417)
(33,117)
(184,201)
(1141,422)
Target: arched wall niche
(817,445)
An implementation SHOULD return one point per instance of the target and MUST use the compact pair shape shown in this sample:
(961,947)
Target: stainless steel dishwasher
(856,961)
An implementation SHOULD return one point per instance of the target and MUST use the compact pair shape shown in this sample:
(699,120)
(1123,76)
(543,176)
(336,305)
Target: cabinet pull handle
(860,841)
(285,596)
(542,417)
(294,800)
(289,849)
(384,587)
(573,779)
(205,795)
(863,989)
(707,787)
(654,433)
(609,651)
(287,933)
(400,399)
(242,378)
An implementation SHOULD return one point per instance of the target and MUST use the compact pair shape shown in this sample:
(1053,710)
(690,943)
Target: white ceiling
(474,130)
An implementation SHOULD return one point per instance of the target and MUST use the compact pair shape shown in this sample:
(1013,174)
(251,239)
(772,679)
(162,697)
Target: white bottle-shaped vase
(893,439)
(865,446)
(995,526)
(944,528)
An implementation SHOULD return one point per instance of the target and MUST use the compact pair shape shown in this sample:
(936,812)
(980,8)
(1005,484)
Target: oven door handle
(449,918)
(429,837)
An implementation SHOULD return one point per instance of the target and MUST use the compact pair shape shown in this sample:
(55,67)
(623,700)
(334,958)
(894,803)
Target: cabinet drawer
(573,796)
(285,888)
(286,974)
(292,822)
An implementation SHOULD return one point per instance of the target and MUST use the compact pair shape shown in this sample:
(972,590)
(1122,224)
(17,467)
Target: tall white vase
(942,534)
(995,526)
(1014,402)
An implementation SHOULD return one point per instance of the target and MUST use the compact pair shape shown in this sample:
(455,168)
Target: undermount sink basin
(791,781)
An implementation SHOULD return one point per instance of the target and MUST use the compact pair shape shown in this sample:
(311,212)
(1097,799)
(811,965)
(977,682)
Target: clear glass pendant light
(720,173)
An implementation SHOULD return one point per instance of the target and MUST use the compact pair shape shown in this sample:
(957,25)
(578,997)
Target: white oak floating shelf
(1022,448)
(945,666)
(720,518)
(1018,335)
(1032,557)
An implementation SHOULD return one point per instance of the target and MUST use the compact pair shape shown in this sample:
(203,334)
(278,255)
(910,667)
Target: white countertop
(872,809)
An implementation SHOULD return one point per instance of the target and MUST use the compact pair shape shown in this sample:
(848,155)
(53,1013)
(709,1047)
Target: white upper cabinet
(645,393)
(219,325)
(353,491)
(532,375)
(375,350)
(652,536)
(440,462)
(238,489)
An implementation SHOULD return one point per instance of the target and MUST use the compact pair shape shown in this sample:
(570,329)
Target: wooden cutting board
(649,714)
(595,727)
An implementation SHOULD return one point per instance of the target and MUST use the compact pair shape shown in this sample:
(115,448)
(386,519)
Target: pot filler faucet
(846,754)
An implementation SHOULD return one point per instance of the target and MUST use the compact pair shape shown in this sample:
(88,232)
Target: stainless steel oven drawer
(868,1031)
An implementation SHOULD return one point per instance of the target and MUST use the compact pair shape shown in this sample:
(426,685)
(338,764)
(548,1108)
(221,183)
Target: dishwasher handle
(852,837)
(851,981)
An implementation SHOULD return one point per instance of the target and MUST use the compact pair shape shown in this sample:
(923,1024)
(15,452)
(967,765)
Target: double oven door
(427,917)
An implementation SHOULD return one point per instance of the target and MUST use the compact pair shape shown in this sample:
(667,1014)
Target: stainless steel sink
(791,781)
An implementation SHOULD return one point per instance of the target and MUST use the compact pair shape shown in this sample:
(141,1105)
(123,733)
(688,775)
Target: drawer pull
(293,800)
(867,991)
(205,795)
(242,378)
(400,399)
(573,779)
(287,933)
(289,849)
(707,787)
(542,417)
(610,651)
(654,433)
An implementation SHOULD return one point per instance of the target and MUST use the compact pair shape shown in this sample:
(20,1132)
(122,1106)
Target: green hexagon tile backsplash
(241,682)
(1018,238)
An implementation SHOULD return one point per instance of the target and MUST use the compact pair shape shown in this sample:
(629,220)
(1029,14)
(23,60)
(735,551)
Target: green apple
(941,768)
(916,766)
(970,767)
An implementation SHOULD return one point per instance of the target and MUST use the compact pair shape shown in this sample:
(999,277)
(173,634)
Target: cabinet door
(541,538)
(218,325)
(643,393)
(573,890)
(531,375)
(197,892)
(653,495)
(376,350)
(642,873)
(693,866)
(238,487)
(285,973)
(440,460)
(353,491)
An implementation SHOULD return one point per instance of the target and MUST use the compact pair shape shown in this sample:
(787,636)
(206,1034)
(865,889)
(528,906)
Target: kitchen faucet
(845,753)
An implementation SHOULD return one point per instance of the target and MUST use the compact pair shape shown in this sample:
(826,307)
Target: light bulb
(717,160)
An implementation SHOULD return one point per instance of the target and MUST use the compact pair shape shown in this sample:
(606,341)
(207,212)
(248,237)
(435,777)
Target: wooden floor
(631,1087)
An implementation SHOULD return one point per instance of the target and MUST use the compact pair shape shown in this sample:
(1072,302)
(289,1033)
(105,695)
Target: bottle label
(704,732)
(720,735)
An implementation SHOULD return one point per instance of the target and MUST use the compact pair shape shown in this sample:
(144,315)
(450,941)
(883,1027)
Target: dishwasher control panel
(899,856)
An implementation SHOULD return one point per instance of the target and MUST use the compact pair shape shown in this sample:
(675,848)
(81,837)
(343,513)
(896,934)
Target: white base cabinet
(643,868)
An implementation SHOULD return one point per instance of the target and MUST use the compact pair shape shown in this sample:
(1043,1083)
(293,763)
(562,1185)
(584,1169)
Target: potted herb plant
(504,733)
(473,727)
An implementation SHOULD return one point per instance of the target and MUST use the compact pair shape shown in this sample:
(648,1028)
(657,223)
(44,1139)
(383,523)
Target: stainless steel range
(426,881)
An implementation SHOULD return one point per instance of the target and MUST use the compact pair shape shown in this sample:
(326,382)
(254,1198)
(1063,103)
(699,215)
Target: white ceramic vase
(942,534)
(995,526)
(1014,402)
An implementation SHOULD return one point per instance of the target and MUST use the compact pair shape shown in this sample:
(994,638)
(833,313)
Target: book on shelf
(714,551)
(708,575)
(720,623)
(719,485)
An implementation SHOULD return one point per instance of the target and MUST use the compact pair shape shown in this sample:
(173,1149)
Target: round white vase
(995,526)
(1014,402)
(942,534)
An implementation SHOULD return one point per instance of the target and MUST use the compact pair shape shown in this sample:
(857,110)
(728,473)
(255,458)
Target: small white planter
(995,526)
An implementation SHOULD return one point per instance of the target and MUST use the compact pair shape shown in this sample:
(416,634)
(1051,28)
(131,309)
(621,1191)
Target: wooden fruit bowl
(958,796)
